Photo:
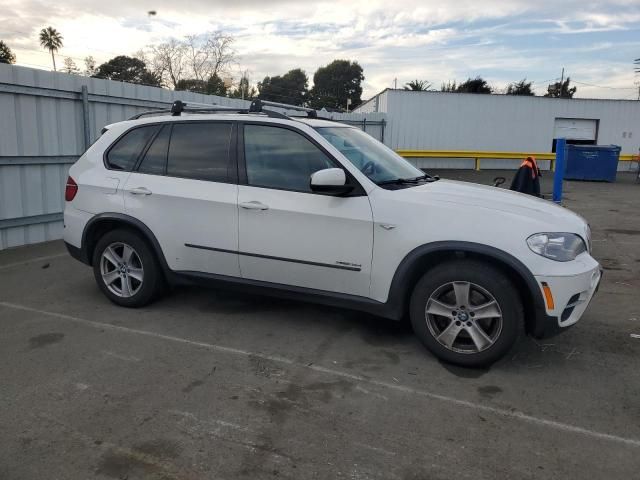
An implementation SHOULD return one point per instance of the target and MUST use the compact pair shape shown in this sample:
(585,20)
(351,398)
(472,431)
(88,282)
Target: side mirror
(331,181)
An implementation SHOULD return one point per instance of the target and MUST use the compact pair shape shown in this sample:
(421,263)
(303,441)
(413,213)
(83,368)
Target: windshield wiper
(404,181)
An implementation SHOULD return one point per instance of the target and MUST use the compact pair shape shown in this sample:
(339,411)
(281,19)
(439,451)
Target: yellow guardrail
(478,156)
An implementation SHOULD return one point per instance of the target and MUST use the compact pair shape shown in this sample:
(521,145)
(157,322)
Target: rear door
(290,235)
(184,189)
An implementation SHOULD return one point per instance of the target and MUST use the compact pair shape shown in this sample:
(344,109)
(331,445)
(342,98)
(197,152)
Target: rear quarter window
(124,153)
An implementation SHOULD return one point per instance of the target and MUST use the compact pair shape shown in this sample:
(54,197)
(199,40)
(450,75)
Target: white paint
(119,356)
(634,335)
(374,449)
(215,421)
(500,412)
(368,392)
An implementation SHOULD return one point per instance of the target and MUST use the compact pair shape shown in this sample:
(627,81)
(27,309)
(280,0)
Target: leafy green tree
(291,88)
(561,90)
(520,88)
(335,83)
(127,69)
(244,90)
(51,40)
(216,86)
(149,78)
(213,86)
(418,85)
(6,55)
(474,85)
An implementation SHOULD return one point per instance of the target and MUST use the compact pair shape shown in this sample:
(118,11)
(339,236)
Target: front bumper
(571,297)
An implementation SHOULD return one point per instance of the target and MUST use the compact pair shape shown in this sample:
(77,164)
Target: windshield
(375,160)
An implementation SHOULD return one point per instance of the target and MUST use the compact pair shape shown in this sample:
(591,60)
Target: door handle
(140,191)
(254,205)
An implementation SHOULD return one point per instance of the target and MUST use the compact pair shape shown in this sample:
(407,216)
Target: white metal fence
(48,119)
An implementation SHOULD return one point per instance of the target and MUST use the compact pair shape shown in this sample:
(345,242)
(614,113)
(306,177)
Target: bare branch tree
(70,66)
(209,54)
(196,56)
(219,48)
(90,66)
(169,60)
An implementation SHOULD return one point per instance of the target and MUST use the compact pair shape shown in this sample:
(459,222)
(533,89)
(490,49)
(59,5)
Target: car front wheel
(467,313)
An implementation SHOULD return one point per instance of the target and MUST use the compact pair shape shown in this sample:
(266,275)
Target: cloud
(406,39)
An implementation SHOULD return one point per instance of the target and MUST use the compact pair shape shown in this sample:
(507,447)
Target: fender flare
(406,273)
(127,220)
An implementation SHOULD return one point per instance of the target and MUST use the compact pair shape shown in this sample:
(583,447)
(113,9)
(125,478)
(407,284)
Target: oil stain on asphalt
(45,339)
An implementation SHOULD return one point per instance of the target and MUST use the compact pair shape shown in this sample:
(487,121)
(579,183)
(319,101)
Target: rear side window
(124,154)
(200,151)
(155,159)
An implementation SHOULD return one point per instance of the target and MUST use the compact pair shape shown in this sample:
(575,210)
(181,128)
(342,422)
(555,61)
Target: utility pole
(395,83)
(561,81)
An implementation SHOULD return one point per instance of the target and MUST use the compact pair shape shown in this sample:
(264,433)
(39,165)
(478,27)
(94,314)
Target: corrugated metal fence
(48,119)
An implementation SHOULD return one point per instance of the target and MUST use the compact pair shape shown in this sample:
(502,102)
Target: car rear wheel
(467,313)
(126,269)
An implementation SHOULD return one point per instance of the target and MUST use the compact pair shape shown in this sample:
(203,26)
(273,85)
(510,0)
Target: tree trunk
(54,61)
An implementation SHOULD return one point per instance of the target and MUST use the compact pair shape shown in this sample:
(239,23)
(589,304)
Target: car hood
(502,201)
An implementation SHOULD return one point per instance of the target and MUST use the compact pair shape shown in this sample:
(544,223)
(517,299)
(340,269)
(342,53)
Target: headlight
(562,247)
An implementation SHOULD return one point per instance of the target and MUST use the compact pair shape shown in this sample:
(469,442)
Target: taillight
(70,190)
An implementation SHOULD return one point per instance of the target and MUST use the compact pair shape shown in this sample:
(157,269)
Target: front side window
(280,158)
(374,159)
(200,151)
(126,151)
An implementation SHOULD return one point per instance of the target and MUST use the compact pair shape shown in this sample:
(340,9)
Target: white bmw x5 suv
(318,210)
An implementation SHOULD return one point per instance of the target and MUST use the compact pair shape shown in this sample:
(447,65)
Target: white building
(430,122)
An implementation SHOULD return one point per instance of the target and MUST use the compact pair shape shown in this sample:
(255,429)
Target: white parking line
(512,414)
(33,260)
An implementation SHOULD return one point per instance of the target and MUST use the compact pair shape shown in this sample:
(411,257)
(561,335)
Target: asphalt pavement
(206,384)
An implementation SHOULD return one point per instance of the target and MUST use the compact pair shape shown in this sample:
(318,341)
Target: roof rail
(257,106)
(178,107)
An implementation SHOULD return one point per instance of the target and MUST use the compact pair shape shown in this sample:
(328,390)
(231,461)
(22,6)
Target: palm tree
(417,85)
(51,39)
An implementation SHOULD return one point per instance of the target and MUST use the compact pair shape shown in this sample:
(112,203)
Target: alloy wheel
(464,317)
(121,269)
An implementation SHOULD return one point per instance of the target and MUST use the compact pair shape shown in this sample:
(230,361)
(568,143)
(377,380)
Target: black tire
(153,280)
(483,278)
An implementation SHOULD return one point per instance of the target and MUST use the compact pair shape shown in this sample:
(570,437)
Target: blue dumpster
(592,162)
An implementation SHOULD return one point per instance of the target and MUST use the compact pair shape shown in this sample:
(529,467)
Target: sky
(394,42)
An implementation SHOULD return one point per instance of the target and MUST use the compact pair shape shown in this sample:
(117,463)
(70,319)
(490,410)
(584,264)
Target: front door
(290,235)
(184,190)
